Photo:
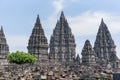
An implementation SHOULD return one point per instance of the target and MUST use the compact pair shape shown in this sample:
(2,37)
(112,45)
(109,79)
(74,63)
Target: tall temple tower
(62,42)
(88,54)
(104,45)
(4,49)
(38,44)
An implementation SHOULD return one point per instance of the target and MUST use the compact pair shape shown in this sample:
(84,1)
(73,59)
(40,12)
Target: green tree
(19,57)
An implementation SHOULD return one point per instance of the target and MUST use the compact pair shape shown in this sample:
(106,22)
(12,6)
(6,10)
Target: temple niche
(38,44)
(62,42)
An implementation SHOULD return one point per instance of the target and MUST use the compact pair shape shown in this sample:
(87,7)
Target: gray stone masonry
(38,44)
(4,49)
(88,54)
(104,46)
(62,42)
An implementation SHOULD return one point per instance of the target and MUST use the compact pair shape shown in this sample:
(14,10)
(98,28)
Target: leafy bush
(21,57)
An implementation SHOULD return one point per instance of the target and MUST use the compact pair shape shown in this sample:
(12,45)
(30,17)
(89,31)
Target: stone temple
(88,54)
(38,44)
(104,46)
(4,49)
(62,42)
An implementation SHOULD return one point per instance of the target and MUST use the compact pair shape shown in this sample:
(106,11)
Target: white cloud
(58,5)
(17,42)
(88,22)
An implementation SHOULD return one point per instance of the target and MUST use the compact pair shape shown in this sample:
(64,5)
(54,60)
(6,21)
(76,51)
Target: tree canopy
(20,57)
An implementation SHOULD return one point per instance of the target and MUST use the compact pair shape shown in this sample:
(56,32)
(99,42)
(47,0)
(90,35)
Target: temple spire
(62,14)
(88,55)
(62,17)
(38,44)
(3,43)
(103,26)
(104,44)
(62,43)
(102,21)
(2,32)
(37,20)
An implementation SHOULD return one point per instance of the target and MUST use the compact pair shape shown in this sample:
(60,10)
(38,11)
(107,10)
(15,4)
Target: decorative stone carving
(104,45)
(4,49)
(88,54)
(38,44)
(62,42)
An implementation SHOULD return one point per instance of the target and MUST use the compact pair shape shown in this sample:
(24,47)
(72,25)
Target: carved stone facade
(4,49)
(38,44)
(104,46)
(88,54)
(62,42)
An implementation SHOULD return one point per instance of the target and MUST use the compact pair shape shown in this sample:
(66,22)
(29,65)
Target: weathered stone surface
(4,48)
(88,54)
(62,42)
(38,44)
(57,72)
(104,45)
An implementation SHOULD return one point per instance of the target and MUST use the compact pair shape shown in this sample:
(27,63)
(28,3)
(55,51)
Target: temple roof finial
(102,21)
(38,19)
(1,28)
(103,26)
(87,41)
(2,32)
(62,14)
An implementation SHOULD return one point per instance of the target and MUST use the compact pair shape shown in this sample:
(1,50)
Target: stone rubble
(52,71)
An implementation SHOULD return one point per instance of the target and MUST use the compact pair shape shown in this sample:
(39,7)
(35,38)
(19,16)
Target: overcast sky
(84,16)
